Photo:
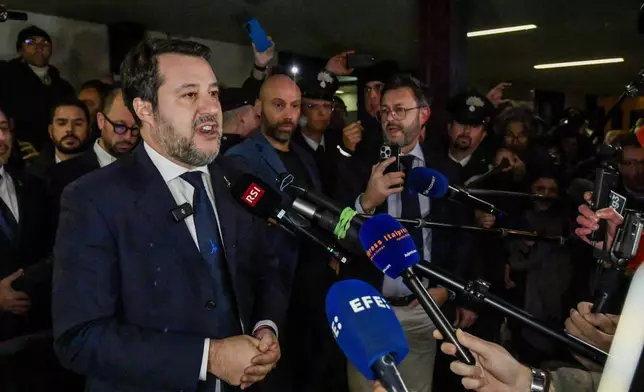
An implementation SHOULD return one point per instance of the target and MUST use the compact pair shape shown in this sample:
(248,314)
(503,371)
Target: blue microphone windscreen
(364,325)
(389,245)
(427,182)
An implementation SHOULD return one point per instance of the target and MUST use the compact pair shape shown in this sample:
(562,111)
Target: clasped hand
(244,360)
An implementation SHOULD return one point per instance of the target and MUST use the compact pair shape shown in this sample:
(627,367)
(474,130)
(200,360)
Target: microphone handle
(437,317)
(388,375)
(317,238)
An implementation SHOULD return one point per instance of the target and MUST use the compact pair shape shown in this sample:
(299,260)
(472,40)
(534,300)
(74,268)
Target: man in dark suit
(69,134)
(25,343)
(119,135)
(162,282)
(315,136)
(304,269)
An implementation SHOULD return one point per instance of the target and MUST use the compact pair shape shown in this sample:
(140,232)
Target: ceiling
(568,30)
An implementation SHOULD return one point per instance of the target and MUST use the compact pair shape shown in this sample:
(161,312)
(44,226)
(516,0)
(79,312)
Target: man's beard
(462,143)
(69,150)
(183,149)
(5,149)
(273,130)
(116,153)
(411,133)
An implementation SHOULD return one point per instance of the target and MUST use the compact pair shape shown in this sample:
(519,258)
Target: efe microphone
(390,247)
(261,200)
(368,332)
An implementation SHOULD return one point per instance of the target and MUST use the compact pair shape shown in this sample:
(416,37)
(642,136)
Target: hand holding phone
(360,60)
(257,35)
(388,151)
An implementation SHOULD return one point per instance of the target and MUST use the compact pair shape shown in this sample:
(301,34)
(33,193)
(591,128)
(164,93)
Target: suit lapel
(156,203)
(309,164)
(225,211)
(268,154)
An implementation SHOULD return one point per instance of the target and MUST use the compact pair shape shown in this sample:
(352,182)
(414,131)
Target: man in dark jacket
(29,86)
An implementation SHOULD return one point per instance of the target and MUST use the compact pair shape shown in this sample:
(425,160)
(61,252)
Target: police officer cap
(235,97)
(470,108)
(321,86)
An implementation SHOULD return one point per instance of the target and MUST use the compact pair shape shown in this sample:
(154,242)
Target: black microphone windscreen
(577,188)
(255,195)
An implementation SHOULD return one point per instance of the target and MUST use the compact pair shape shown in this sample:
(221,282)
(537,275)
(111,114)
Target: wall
(81,49)
(630,104)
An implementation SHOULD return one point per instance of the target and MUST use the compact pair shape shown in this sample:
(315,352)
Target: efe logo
(252,194)
(336,326)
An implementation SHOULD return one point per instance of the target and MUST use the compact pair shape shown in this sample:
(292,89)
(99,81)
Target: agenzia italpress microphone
(434,184)
(261,200)
(367,331)
(390,247)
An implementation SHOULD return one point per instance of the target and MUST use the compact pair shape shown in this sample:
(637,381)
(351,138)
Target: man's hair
(111,96)
(419,90)
(31,31)
(521,114)
(140,69)
(68,101)
(102,88)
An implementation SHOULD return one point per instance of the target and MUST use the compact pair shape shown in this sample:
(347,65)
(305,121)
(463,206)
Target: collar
(104,158)
(3,173)
(41,72)
(417,152)
(168,169)
(463,162)
(312,143)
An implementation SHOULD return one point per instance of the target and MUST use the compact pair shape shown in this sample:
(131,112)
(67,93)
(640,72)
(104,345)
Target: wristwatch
(540,381)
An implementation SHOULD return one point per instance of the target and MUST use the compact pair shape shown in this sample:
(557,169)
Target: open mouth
(208,129)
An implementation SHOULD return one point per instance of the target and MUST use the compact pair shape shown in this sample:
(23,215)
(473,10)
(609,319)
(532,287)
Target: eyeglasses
(327,107)
(121,129)
(518,137)
(399,113)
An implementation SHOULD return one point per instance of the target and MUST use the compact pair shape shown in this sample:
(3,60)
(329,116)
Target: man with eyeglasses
(403,112)
(315,135)
(29,86)
(119,135)
(631,170)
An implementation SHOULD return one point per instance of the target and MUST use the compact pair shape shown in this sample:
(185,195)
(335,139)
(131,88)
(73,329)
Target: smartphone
(257,35)
(519,92)
(358,60)
(387,151)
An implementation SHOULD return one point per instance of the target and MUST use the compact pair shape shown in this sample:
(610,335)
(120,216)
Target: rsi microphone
(390,247)
(368,332)
(258,198)
(434,184)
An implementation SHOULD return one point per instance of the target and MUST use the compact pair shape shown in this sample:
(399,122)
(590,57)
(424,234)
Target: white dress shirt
(183,192)
(463,162)
(103,157)
(396,288)
(8,193)
(312,143)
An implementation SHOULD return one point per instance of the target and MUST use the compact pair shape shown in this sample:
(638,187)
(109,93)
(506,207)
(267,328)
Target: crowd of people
(108,284)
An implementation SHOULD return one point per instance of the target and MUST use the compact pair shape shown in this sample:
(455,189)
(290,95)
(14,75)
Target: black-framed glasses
(121,129)
(37,41)
(399,113)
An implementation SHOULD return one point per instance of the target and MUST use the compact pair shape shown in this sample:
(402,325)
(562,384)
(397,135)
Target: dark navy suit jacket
(265,163)
(132,296)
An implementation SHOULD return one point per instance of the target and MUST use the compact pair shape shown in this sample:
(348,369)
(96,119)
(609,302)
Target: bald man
(303,266)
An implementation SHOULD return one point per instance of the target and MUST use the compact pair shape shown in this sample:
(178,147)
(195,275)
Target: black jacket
(31,246)
(28,100)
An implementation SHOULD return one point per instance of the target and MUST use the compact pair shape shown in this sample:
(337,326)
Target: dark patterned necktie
(212,252)
(411,205)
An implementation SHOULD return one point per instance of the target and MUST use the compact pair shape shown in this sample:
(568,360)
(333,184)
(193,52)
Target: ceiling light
(579,63)
(339,92)
(501,30)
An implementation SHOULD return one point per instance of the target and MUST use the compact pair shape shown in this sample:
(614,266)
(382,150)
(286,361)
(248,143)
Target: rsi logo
(336,326)
(252,194)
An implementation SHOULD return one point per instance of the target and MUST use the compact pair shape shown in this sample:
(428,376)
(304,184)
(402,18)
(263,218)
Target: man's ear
(100,120)
(51,132)
(425,113)
(143,110)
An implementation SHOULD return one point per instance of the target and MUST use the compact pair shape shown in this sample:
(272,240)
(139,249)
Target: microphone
(5,15)
(367,331)
(434,184)
(258,198)
(476,180)
(390,247)
(285,183)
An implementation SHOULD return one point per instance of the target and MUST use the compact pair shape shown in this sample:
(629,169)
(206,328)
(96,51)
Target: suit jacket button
(211,305)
